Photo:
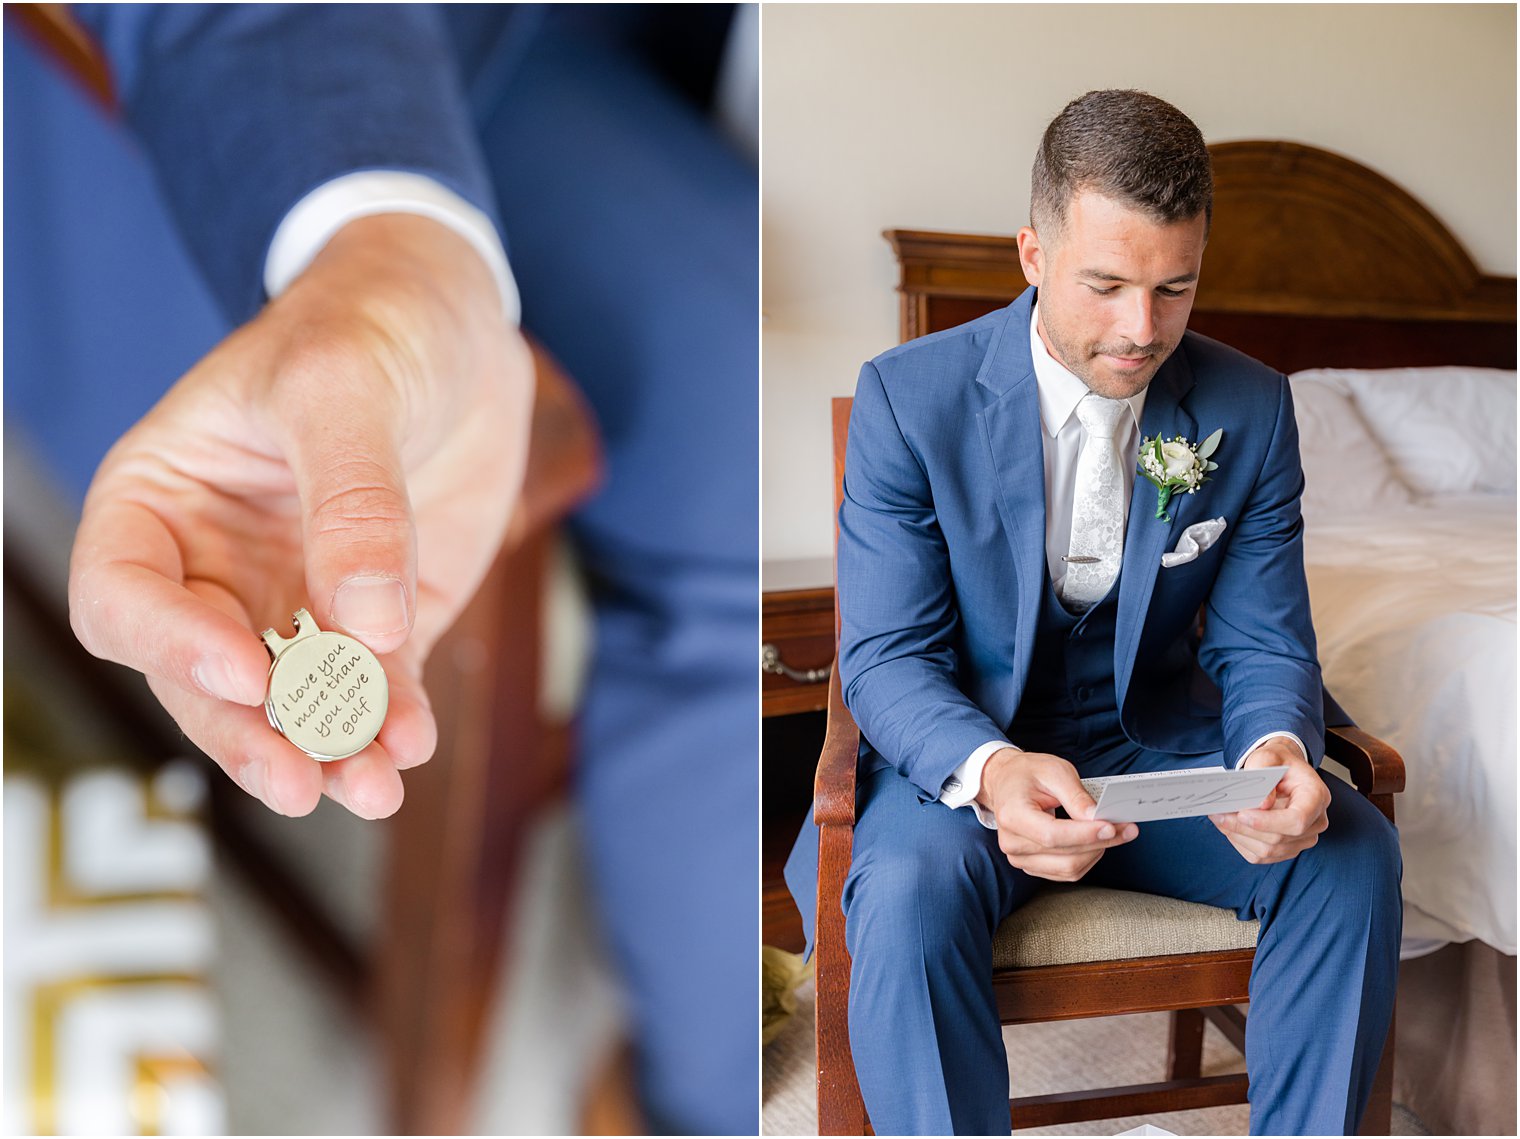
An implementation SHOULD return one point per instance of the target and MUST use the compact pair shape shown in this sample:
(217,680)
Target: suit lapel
(1011,429)
(1147,537)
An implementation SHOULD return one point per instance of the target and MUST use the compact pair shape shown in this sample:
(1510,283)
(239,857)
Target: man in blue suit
(1018,613)
(375,196)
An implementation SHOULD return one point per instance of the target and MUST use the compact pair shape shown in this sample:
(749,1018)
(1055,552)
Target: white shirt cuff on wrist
(1274,736)
(960,789)
(313,220)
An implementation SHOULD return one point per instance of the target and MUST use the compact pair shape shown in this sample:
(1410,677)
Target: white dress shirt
(1064,437)
(312,221)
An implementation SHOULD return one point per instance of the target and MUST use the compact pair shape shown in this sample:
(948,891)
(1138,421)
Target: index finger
(128,603)
(1063,782)
(1059,834)
(1292,817)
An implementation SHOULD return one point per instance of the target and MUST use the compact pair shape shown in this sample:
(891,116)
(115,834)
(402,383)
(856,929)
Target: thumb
(360,542)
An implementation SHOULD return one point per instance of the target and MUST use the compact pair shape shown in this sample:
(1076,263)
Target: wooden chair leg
(1231,1022)
(455,847)
(1184,1046)
(841,1111)
(1378,1118)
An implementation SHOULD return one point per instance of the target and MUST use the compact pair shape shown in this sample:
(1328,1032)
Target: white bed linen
(1414,608)
(1446,430)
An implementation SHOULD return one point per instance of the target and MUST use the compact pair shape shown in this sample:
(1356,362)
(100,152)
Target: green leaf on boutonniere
(1163,496)
(1206,448)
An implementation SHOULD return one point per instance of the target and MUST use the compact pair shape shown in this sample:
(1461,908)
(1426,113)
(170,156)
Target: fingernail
(252,779)
(371,606)
(213,672)
(271,800)
(255,780)
(1106,833)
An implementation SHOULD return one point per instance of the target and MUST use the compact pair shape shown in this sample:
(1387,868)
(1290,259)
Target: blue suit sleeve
(897,657)
(1258,641)
(244,109)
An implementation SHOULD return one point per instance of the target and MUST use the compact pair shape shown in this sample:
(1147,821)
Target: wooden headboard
(1313,261)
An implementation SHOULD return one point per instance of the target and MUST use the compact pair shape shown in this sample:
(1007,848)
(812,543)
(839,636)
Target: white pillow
(1345,471)
(1446,430)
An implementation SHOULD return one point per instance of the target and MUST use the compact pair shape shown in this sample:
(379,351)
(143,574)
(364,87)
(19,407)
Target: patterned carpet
(111,1025)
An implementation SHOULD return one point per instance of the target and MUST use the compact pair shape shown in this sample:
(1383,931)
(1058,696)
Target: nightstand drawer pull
(770,661)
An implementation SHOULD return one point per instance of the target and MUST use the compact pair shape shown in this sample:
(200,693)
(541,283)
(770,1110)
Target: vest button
(1084,693)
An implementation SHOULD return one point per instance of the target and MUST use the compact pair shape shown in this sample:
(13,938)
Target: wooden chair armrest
(1375,768)
(834,784)
(56,31)
(564,453)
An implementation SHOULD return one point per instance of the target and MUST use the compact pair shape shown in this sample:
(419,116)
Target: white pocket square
(1195,539)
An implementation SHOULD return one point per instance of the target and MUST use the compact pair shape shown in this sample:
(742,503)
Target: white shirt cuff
(960,789)
(313,220)
(1274,736)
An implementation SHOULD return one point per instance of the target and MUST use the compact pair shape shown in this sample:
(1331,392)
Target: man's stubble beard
(1080,363)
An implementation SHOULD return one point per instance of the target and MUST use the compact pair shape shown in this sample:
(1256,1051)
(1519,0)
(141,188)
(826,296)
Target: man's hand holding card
(1294,817)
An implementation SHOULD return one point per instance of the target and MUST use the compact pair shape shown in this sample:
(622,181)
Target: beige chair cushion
(1087,923)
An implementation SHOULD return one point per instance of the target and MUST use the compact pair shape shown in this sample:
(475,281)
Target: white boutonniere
(1176,465)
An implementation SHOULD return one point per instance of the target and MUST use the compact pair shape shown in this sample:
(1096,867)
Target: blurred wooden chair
(1072,952)
(455,849)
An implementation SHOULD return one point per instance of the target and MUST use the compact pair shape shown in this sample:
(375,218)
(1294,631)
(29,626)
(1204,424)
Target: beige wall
(928,116)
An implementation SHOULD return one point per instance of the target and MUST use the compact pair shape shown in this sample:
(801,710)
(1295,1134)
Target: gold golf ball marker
(327,692)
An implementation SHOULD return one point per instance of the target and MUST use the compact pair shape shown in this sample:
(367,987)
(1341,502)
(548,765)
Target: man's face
(1116,289)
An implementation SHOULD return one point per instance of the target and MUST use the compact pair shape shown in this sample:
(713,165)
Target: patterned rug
(110,1025)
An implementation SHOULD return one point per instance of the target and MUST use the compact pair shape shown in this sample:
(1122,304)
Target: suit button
(1084,694)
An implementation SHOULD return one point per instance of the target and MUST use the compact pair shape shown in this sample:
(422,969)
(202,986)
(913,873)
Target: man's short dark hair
(1125,145)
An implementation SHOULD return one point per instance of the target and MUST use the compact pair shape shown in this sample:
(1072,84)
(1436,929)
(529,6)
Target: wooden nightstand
(797,631)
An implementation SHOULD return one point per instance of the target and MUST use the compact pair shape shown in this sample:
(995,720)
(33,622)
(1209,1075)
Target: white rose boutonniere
(1175,465)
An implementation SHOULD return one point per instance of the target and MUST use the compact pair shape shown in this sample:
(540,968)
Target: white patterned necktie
(1097,509)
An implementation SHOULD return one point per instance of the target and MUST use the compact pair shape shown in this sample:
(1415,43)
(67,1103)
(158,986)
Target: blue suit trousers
(928,887)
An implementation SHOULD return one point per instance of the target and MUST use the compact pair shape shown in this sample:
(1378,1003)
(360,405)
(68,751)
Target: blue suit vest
(1070,705)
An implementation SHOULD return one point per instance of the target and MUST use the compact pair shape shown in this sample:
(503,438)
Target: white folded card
(1146,796)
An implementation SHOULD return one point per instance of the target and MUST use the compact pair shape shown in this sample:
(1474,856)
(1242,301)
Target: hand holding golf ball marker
(327,693)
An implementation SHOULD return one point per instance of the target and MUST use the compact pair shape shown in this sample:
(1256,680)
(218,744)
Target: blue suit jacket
(245,108)
(942,556)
